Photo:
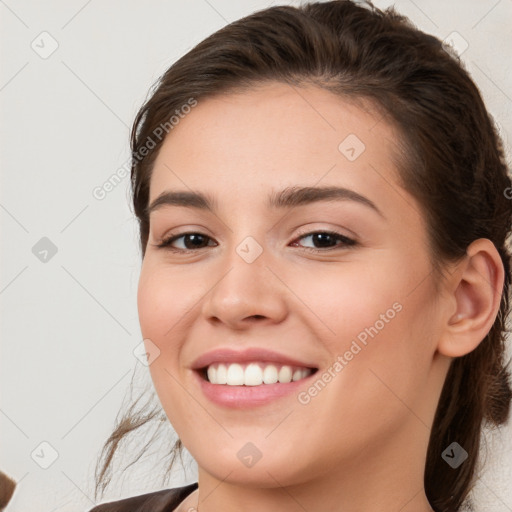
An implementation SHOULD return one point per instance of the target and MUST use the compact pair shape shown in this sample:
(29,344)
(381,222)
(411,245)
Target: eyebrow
(287,198)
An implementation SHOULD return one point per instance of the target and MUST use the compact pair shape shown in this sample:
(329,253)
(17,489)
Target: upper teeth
(254,374)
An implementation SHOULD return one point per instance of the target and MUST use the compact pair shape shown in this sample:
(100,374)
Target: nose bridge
(246,288)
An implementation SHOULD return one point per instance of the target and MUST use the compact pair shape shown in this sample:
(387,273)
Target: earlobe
(477,295)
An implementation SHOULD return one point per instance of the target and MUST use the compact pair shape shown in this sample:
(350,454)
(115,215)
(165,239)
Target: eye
(191,241)
(325,241)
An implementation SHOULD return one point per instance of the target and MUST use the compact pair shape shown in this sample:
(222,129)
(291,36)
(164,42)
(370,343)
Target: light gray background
(69,325)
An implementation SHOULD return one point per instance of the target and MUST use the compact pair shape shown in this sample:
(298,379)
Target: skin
(360,444)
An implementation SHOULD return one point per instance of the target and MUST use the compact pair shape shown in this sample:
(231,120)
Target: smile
(254,373)
(236,393)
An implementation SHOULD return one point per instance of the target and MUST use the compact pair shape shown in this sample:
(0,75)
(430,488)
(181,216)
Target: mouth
(256,373)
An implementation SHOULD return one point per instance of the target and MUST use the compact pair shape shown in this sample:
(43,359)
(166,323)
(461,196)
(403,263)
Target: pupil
(322,237)
(193,237)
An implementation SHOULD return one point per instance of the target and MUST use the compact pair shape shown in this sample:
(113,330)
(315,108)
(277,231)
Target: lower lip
(249,396)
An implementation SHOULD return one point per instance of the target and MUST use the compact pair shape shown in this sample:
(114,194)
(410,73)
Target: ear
(476,287)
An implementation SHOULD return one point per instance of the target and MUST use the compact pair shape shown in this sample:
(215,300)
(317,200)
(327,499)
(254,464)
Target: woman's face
(358,305)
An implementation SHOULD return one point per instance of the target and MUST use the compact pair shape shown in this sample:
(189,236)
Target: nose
(245,293)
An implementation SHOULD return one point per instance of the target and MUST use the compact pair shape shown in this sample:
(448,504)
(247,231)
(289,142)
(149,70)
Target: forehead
(276,135)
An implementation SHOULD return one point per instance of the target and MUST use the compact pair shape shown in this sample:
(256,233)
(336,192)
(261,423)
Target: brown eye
(327,240)
(191,241)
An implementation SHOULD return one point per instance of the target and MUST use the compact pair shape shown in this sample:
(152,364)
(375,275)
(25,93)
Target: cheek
(348,301)
(152,303)
(162,308)
(381,377)
(379,318)
(163,300)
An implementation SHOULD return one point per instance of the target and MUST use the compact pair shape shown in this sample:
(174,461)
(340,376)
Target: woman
(324,211)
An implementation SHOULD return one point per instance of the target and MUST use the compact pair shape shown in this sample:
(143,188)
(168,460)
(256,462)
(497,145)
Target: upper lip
(226,355)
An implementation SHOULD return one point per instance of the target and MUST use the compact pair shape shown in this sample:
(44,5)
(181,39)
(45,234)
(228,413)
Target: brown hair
(452,161)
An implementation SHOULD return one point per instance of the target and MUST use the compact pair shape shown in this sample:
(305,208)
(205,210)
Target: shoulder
(160,501)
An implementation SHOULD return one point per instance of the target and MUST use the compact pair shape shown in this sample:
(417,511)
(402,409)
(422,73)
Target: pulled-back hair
(451,160)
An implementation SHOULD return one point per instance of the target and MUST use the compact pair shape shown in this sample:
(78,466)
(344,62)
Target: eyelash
(346,242)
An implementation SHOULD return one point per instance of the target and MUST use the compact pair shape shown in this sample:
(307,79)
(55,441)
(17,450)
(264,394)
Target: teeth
(254,374)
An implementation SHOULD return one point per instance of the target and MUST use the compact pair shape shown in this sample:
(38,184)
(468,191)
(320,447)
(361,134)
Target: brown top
(159,501)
